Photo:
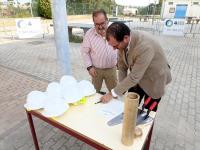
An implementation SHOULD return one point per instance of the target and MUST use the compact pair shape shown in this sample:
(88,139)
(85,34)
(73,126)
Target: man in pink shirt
(99,57)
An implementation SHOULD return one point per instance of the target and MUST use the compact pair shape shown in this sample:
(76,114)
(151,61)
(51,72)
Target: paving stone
(71,142)
(189,146)
(75,147)
(167,148)
(198,117)
(59,144)
(58,135)
(197,126)
(49,135)
(86,147)
(25,147)
(63,148)
(25,67)
(197,145)
(177,147)
(43,131)
(180,140)
(159,145)
(170,143)
(48,144)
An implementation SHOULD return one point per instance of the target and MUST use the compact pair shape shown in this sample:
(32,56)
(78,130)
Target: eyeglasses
(101,24)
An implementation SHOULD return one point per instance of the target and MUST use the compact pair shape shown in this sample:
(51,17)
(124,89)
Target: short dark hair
(99,11)
(118,30)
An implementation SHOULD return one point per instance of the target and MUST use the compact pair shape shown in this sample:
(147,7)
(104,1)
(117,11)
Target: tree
(76,7)
(44,8)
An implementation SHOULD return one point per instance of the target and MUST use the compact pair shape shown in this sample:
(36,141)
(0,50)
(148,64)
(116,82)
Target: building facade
(180,9)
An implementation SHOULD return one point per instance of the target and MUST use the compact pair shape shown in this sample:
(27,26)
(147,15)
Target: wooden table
(86,124)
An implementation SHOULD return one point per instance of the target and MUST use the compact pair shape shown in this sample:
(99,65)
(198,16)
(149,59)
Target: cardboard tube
(129,119)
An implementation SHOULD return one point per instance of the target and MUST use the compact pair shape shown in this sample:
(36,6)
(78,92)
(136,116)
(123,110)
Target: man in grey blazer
(142,55)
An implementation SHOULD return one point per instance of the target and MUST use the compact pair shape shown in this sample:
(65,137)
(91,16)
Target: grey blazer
(147,64)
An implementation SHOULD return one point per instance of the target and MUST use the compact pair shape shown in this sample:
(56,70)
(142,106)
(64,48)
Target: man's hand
(106,98)
(92,72)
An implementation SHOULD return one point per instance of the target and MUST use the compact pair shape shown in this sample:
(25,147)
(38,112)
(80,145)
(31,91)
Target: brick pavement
(31,64)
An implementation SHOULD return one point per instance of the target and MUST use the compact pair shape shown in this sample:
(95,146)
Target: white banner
(29,28)
(174,27)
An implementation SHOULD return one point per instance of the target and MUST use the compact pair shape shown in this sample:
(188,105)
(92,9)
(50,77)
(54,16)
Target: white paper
(111,109)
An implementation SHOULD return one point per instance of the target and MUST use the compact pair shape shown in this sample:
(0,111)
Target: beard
(102,31)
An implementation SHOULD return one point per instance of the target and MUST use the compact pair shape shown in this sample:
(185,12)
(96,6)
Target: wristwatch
(88,68)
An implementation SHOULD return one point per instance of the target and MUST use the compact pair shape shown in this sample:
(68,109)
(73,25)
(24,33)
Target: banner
(29,28)
(174,27)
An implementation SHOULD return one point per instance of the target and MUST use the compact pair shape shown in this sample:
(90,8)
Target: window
(170,3)
(171,10)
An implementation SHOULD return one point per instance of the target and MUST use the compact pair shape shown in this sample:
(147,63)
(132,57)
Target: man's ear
(126,39)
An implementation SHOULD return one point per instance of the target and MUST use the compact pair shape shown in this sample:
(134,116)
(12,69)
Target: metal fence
(87,8)
(156,26)
(192,29)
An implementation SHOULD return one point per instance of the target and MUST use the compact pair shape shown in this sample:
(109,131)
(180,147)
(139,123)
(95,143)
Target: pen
(98,102)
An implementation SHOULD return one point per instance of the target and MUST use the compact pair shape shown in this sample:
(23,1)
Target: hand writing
(106,98)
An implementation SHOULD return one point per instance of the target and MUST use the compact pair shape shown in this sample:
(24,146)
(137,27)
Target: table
(86,124)
(83,26)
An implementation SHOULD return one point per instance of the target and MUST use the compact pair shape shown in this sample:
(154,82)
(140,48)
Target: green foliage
(142,11)
(15,12)
(44,8)
(75,39)
(35,8)
(76,7)
(80,7)
(22,14)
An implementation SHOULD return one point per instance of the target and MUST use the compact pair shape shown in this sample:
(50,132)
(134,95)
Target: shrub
(75,39)
(44,8)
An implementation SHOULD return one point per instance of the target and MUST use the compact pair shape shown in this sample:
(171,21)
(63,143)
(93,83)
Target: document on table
(111,109)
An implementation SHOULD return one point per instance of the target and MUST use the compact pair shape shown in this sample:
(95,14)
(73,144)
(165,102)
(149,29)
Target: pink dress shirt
(97,52)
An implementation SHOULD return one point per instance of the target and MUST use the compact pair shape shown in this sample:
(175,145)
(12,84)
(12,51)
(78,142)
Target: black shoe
(102,93)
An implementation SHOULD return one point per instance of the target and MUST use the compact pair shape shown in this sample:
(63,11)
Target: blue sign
(180,11)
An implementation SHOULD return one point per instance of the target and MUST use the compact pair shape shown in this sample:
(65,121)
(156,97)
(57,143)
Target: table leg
(30,120)
(70,31)
(147,145)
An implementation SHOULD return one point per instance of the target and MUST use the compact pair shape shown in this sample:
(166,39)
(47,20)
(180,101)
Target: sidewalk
(27,65)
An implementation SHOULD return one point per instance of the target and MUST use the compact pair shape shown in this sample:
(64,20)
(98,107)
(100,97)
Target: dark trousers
(137,89)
